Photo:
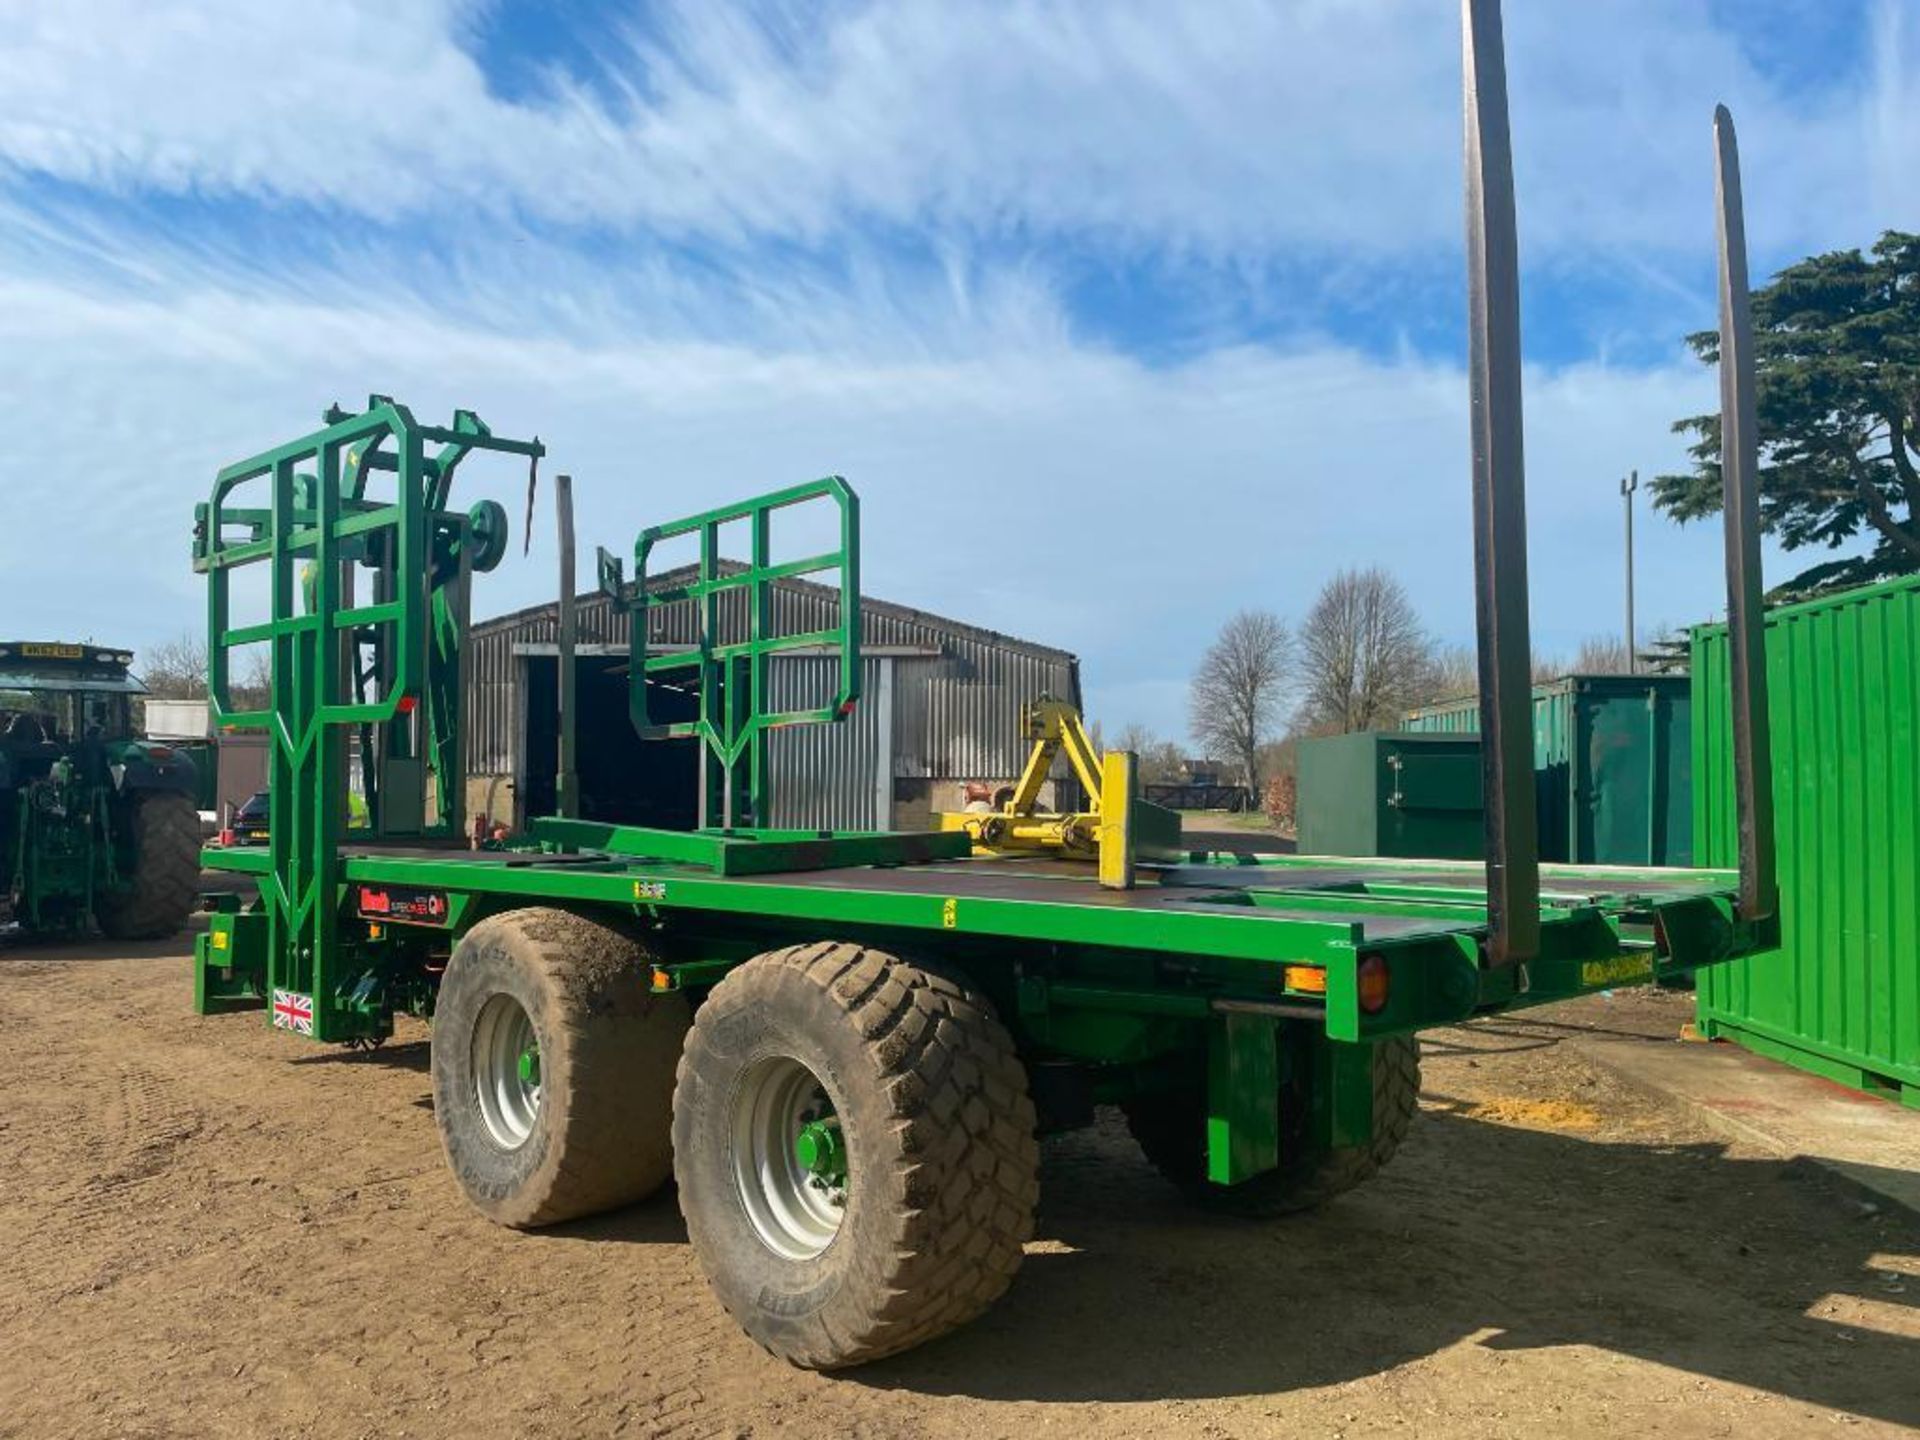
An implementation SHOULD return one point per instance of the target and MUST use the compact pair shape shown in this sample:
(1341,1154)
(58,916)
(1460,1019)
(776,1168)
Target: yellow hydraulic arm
(1116,830)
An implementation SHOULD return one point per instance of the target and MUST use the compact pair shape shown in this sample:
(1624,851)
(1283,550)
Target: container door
(1434,806)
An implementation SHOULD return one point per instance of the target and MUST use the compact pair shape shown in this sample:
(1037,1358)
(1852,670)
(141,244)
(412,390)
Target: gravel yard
(213,1230)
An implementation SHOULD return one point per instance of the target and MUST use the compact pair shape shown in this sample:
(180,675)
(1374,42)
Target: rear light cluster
(1373,984)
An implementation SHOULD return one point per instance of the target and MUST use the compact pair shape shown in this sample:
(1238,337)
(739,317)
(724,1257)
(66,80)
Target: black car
(250,821)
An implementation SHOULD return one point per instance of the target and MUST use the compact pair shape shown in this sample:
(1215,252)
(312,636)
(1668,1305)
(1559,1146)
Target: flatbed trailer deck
(1426,919)
(842,1046)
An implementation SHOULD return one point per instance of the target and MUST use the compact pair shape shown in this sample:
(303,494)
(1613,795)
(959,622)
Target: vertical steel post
(1627,487)
(1499,498)
(1740,500)
(568,796)
(451,793)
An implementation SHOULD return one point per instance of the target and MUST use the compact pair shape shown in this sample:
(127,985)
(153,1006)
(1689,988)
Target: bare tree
(250,682)
(1453,673)
(1234,702)
(1160,758)
(1603,655)
(176,669)
(1365,654)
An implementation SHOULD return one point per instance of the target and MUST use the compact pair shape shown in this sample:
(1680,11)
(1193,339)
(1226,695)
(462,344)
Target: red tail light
(1373,984)
(226,838)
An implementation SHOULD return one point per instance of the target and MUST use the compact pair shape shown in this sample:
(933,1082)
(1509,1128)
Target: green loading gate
(365,500)
(1841,996)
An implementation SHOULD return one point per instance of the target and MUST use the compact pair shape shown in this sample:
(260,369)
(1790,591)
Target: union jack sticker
(293,1011)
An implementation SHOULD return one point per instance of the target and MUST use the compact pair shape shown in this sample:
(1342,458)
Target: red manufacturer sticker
(403,907)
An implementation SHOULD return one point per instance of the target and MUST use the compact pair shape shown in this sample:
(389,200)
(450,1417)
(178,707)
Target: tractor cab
(94,820)
(55,698)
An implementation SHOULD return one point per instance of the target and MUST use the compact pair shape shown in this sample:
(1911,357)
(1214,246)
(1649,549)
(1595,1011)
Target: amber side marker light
(1373,984)
(1310,978)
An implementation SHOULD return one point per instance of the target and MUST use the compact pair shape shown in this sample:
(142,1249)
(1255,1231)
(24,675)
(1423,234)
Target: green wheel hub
(819,1147)
(789,1157)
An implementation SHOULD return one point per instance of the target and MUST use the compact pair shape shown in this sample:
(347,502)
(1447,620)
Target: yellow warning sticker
(950,913)
(219,939)
(1621,970)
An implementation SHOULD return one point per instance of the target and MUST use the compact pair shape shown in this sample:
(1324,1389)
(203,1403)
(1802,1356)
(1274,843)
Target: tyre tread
(964,1173)
(166,873)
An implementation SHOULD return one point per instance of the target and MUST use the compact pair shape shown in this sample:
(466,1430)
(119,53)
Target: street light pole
(1627,487)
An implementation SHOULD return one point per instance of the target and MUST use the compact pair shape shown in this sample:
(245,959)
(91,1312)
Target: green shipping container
(1841,996)
(1390,793)
(1612,763)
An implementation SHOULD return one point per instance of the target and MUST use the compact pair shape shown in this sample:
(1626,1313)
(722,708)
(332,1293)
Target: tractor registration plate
(51,652)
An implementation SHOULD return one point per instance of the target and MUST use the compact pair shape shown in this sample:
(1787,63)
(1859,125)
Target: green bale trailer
(842,1046)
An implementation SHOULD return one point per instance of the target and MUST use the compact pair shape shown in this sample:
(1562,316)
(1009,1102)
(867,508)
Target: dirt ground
(210,1230)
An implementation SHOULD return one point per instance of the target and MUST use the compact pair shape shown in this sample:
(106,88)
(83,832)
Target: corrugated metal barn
(939,710)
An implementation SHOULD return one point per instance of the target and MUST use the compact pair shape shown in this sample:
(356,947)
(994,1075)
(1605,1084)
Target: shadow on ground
(1516,1239)
(60,949)
(414,1055)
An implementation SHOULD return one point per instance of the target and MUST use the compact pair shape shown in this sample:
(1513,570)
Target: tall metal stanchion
(1627,487)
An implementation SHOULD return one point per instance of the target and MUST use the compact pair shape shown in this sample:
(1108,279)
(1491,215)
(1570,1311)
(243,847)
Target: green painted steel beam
(754,852)
(1243,1098)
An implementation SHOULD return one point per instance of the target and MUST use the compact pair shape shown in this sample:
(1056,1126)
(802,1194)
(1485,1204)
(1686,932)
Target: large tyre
(1170,1128)
(164,885)
(553,1067)
(854,1145)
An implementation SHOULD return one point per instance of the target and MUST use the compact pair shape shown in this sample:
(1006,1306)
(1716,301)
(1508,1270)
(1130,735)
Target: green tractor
(96,823)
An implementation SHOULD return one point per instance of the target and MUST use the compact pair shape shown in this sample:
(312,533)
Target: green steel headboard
(732,672)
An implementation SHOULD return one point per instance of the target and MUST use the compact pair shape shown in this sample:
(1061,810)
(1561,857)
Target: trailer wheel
(1170,1128)
(553,1067)
(854,1145)
(160,893)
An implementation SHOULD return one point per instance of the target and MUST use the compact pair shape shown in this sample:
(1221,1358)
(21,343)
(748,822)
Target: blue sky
(1121,315)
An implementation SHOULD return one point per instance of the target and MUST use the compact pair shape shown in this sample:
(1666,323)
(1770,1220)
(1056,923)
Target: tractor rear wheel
(553,1067)
(1170,1127)
(854,1145)
(164,883)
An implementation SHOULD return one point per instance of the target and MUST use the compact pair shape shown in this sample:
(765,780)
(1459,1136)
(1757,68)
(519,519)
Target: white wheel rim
(508,1091)
(795,1212)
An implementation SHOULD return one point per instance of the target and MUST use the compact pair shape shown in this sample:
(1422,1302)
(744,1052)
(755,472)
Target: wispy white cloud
(1220,129)
(755,250)
(1239,479)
